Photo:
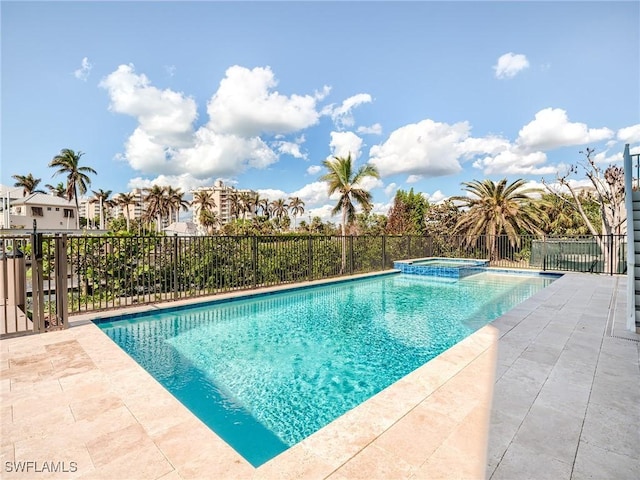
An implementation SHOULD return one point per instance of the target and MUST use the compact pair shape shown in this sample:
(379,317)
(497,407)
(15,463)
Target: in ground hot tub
(442,267)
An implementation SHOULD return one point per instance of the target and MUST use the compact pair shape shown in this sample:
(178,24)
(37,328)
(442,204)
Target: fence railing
(44,278)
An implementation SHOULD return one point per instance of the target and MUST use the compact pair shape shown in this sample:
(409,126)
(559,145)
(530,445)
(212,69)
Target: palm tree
(234,204)
(244,203)
(125,200)
(341,179)
(279,209)
(498,208)
(28,183)
(157,205)
(177,202)
(204,205)
(102,197)
(208,219)
(59,190)
(296,205)
(67,162)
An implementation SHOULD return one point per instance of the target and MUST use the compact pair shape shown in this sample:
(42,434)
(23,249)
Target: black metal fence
(106,272)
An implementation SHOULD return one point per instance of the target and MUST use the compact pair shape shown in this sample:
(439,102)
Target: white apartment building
(222,195)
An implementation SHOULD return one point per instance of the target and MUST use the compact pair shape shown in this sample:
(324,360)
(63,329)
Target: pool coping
(366,433)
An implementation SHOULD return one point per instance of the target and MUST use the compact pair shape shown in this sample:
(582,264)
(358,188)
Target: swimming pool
(266,372)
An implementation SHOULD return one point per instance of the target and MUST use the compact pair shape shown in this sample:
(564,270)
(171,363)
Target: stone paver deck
(549,390)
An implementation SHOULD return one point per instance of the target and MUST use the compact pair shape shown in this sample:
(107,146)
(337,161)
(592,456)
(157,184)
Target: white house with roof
(50,212)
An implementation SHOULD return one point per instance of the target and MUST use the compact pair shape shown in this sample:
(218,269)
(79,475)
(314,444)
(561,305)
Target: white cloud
(246,105)
(551,129)
(375,129)
(413,178)
(345,143)
(289,148)
(390,189)
(510,64)
(515,162)
(629,134)
(186,182)
(165,116)
(369,183)
(436,197)
(342,115)
(272,194)
(164,142)
(314,169)
(603,157)
(216,154)
(426,148)
(315,193)
(83,72)
(381,208)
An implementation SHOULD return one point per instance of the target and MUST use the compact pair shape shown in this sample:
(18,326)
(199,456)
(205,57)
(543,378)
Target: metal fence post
(62,288)
(611,254)
(310,256)
(254,259)
(384,251)
(175,266)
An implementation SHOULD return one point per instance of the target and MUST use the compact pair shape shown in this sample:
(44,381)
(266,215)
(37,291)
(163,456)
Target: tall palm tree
(342,179)
(498,208)
(244,203)
(296,205)
(234,204)
(28,183)
(102,198)
(157,204)
(208,219)
(204,204)
(176,200)
(279,209)
(68,162)
(59,190)
(125,200)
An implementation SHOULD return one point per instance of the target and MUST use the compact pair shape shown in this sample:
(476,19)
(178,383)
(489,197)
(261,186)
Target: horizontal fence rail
(43,278)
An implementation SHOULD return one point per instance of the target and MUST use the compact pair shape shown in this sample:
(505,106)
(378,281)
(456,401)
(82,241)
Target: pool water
(266,372)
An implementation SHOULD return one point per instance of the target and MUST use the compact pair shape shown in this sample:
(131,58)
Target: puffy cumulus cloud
(165,116)
(345,143)
(247,105)
(219,154)
(381,208)
(84,71)
(414,178)
(289,148)
(272,194)
(510,64)
(314,169)
(146,155)
(629,134)
(324,212)
(514,162)
(426,148)
(186,182)
(342,115)
(490,145)
(390,189)
(551,129)
(315,193)
(436,197)
(604,157)
(369,183)
(375,129)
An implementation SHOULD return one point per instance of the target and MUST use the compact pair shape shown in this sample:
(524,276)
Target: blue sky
(260,93)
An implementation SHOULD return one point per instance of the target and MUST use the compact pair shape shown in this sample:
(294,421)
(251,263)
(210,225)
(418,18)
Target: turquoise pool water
(266,372)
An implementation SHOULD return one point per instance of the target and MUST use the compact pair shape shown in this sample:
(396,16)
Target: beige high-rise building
(222,196)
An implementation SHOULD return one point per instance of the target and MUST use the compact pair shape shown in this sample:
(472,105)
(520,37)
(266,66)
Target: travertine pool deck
(549,390)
